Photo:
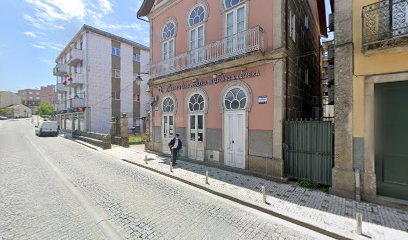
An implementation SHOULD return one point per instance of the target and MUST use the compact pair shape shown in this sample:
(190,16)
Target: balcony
(385,24)
(59,107)
(231,47)
(76,79)
(60,88)
(75,56)
(77,102)
(60,69)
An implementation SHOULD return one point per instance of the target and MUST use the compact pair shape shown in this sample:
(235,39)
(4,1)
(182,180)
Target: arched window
(197,16)
(232,3)
(235,99)
(168,105)
(196,103)
(169,32)
(196,23)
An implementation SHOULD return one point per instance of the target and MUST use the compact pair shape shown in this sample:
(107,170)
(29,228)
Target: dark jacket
(179,146)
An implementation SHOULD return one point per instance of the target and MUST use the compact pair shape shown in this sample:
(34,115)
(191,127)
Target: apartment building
(226,74)
(48,94)
(30,98)
(327,78)
(9,98)
(97,76)
(371,110)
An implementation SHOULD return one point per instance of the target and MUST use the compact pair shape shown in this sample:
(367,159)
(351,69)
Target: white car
(49,128)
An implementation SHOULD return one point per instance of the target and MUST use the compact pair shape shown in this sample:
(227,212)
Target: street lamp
(138,78)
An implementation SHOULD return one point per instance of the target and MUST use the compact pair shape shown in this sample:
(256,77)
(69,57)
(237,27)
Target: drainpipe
(358,184)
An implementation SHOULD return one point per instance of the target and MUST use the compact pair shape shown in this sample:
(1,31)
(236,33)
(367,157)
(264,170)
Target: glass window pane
(230,96)
(200,128)
(227,104)
(171,126)
(242,103)
(230,23)
(192,128)
(240,95)
(165,126)
(235,104)
(192,39)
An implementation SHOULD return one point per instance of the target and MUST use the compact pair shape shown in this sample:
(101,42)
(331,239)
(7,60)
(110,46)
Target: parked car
(45,128)
(3,118)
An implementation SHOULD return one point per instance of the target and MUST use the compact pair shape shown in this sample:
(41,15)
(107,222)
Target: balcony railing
(77,102)
(61,88)
(384,21)
(239,44)
(75,56)
(60,106)
(76,79)
(60,69)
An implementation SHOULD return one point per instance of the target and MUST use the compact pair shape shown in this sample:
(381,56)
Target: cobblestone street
(35,203)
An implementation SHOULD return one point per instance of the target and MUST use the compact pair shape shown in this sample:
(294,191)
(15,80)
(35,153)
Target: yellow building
(371,104)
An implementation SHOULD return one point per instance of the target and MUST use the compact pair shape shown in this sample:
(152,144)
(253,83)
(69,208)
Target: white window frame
(115,51)
(136,57)
(115,73)
(167,54)
(292,26)
(195,55)
(234,10)
(307,22)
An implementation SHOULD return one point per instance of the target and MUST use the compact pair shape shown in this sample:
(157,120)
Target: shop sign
(221,79)
(262,99)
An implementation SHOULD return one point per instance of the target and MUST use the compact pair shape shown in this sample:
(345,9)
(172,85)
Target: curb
(247,204)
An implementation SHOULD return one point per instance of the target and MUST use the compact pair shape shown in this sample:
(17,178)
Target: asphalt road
(53,188)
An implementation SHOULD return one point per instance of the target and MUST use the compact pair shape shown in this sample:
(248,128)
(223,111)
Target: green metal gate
(308,150)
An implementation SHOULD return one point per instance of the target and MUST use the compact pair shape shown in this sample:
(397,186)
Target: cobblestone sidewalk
(328,212)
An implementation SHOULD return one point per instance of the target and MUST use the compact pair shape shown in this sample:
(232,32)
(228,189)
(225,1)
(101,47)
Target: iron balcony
(229,47)
(385,24)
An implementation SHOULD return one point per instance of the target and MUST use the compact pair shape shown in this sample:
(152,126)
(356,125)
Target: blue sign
(262,99)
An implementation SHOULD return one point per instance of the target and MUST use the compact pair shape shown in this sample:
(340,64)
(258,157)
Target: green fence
(309,150)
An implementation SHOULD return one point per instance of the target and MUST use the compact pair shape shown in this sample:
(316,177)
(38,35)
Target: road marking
(99,216)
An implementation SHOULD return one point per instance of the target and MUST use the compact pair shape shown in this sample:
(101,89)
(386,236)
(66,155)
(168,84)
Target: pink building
(225,74)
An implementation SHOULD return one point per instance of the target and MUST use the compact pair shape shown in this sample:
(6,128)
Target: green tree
(46,109)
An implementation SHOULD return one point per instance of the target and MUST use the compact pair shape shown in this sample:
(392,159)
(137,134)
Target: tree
(46,109)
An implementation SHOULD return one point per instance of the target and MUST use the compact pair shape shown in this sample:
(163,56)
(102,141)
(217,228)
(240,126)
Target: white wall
(99,70)
(126,81)
(144,96)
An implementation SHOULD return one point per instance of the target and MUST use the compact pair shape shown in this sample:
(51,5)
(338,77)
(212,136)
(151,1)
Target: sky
(34,32)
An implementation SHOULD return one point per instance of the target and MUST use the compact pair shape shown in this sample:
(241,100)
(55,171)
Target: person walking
(175,145)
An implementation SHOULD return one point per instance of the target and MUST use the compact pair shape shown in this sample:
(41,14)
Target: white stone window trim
(206,14)
(236,84)
(203,93)
(173,97)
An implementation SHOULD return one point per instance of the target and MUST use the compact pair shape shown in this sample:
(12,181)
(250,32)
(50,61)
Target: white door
(196,137)
(167,131)
(234,139)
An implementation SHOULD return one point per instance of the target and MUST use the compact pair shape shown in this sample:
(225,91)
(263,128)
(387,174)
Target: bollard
(359,220)
(206,177)
(146,159)
(263,193)
(171,167)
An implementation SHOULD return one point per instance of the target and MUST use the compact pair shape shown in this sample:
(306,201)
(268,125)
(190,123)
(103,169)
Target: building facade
(96,75)
(48,94)
(9,98)
(30,98)
(371,108)
(226,74)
